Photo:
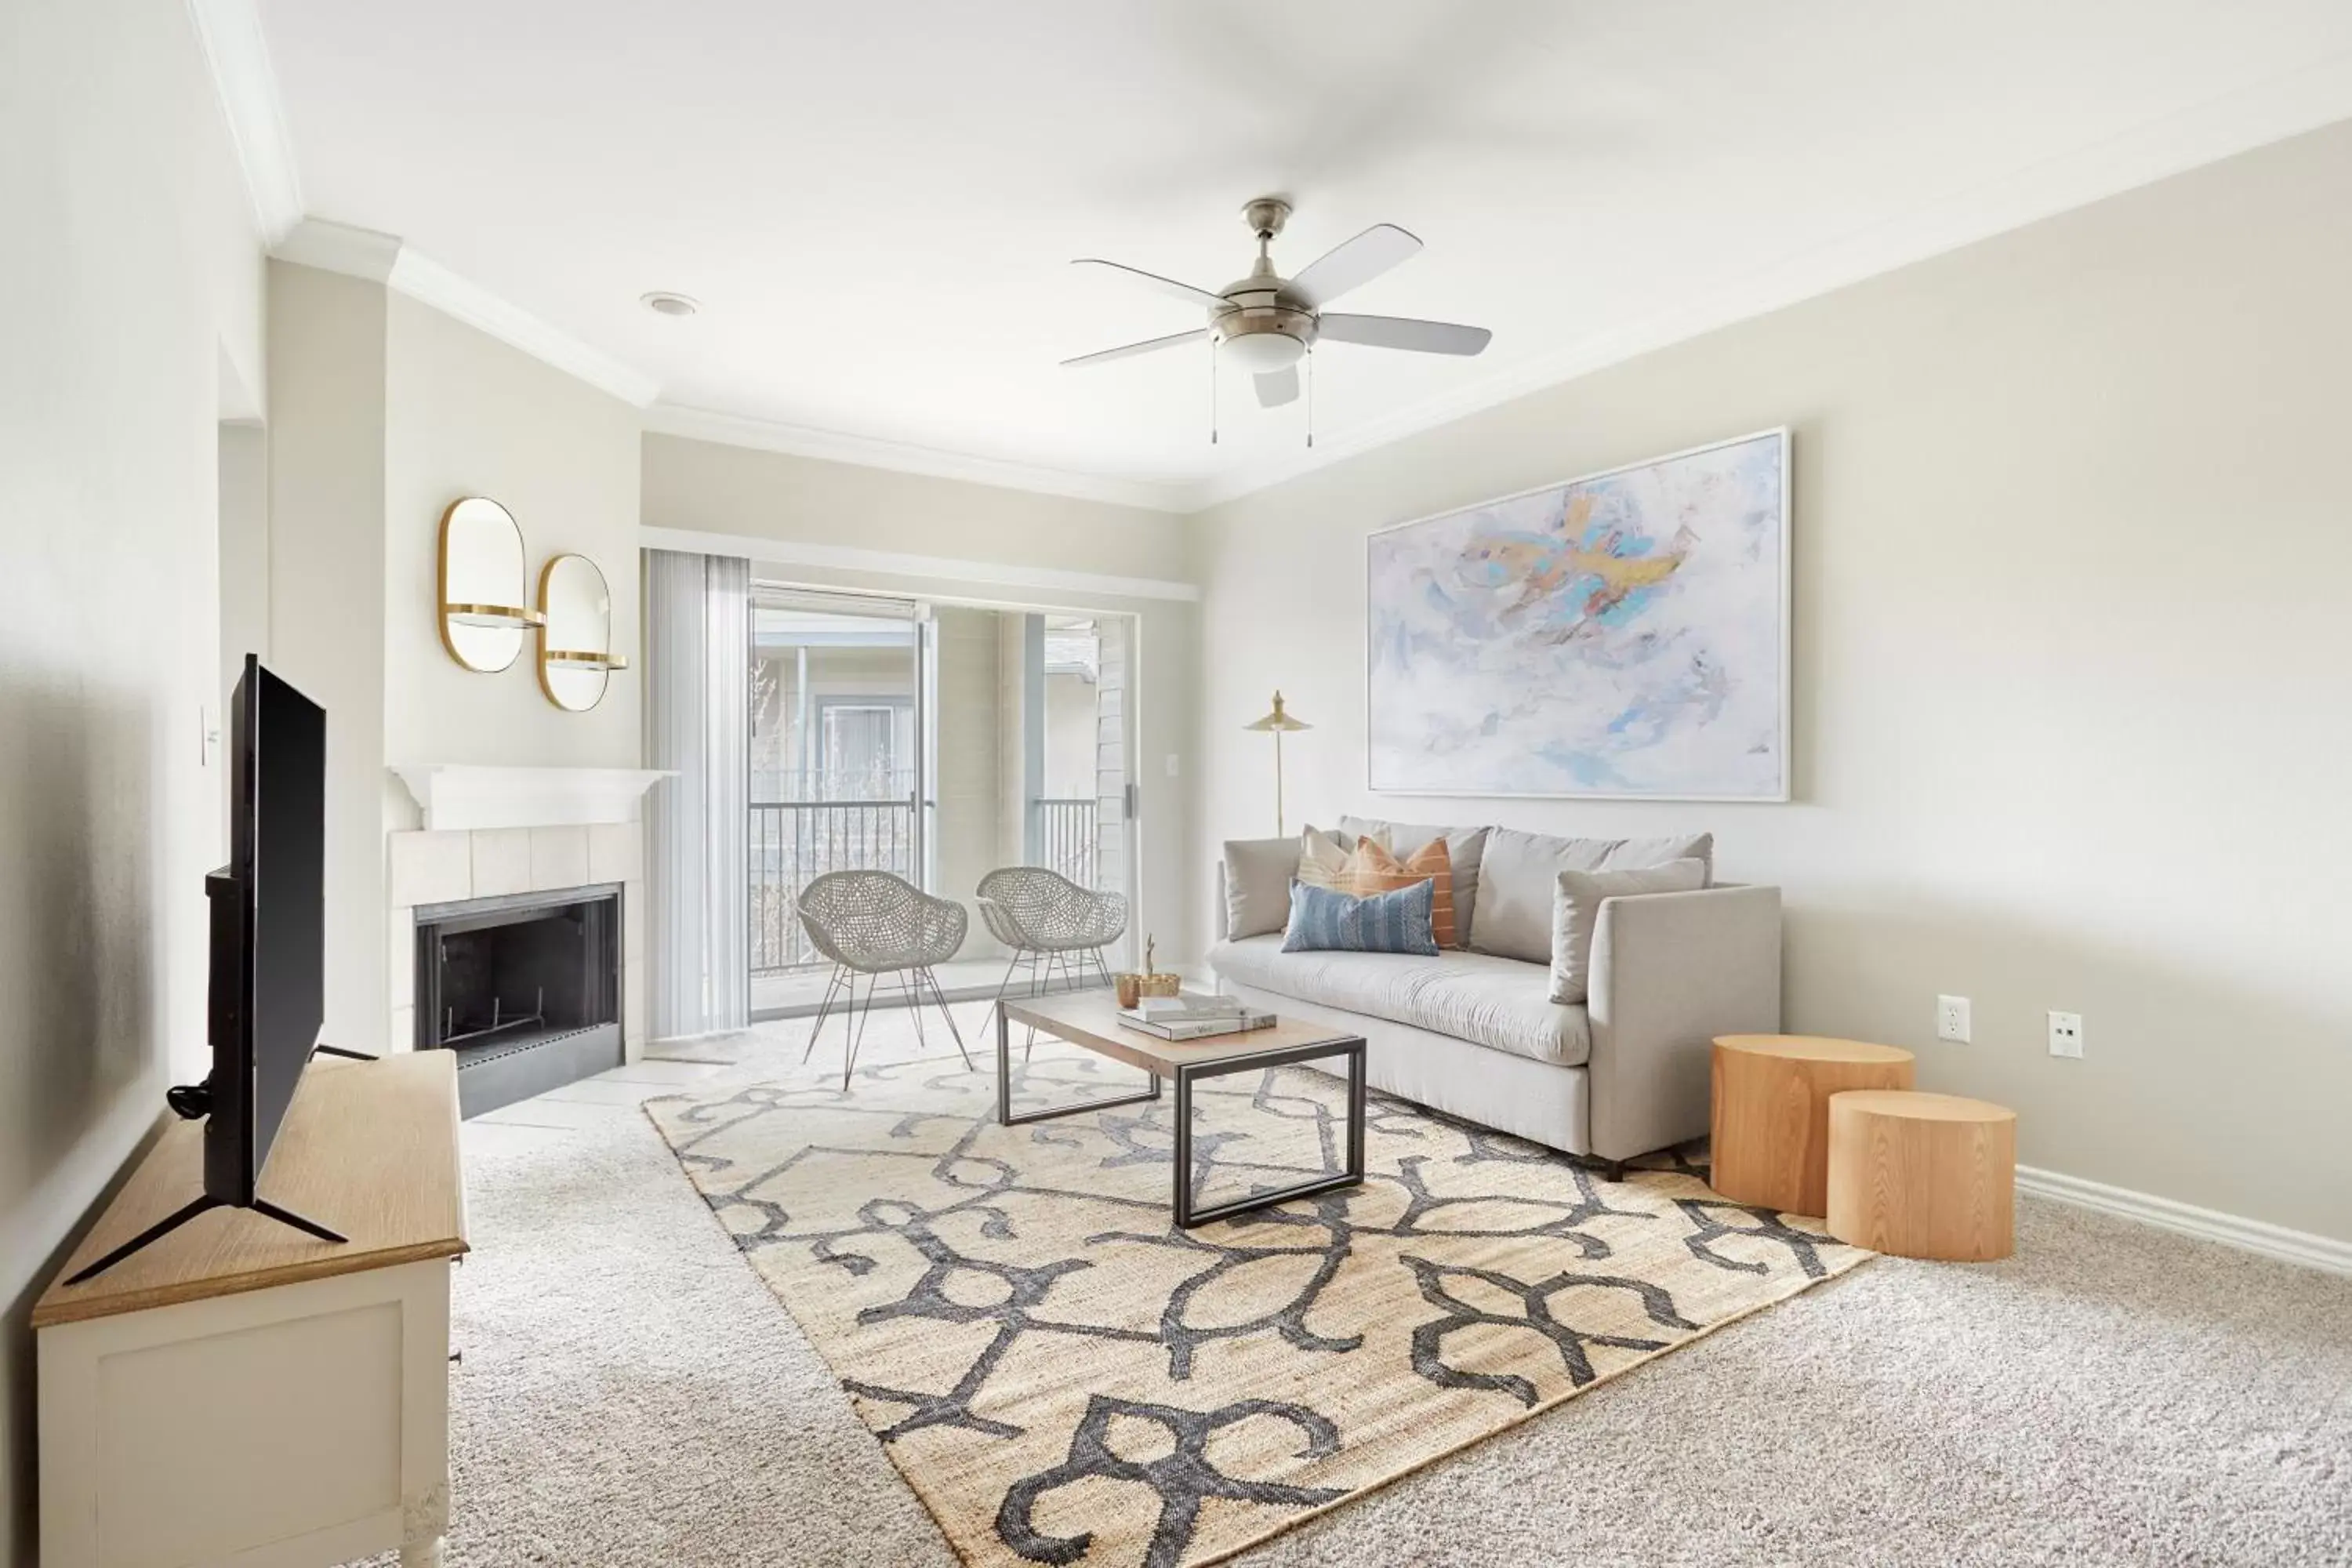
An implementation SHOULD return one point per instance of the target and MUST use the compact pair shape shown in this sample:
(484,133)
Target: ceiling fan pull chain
(1213,391)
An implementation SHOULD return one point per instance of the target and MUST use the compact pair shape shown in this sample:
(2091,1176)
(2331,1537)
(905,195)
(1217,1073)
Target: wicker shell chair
(875,924)
(1049,922)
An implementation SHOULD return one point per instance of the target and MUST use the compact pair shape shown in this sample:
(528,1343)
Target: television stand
(289,1399)
(204,1205)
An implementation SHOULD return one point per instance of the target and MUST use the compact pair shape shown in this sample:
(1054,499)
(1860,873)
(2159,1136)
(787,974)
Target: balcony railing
(1065,838)
(793,842)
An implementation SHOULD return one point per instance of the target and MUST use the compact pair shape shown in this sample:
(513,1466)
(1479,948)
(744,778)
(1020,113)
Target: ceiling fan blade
(1355,263)
(1183,291)
(1126,349)
(1404,333)
(1277,387)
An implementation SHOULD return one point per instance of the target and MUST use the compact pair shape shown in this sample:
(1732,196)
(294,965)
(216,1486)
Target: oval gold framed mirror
(484,607)
(575,637)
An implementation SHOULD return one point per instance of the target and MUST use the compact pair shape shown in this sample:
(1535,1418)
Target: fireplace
(525,989)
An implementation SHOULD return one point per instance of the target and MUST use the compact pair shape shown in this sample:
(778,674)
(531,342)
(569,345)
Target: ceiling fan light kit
(1268,323)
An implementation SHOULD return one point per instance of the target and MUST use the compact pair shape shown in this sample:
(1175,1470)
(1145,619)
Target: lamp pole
(1278,722)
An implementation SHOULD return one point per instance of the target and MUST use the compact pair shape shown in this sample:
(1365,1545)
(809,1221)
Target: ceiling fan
(1268,322)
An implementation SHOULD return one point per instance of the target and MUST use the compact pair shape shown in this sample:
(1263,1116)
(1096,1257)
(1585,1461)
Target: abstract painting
(1621,635)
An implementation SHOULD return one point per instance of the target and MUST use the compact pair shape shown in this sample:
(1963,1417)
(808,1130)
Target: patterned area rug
(1064,1377)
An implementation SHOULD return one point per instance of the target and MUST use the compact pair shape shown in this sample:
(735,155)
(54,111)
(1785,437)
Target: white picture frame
(1476,776)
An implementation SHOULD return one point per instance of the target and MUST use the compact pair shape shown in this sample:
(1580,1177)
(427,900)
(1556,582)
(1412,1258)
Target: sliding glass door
(836,758)
(935,742)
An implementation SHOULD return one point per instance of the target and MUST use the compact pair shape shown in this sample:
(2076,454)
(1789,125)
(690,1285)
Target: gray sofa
(1474,1033)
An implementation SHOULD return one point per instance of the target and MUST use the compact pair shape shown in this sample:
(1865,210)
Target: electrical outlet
(1952,1019)
(2065,1034)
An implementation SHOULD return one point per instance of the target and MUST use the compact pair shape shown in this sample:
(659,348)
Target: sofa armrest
(1670,972)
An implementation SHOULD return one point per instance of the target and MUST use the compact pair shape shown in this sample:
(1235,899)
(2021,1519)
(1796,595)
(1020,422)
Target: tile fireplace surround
(447,866)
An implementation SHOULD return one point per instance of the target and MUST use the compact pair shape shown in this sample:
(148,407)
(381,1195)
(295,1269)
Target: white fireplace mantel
(457,795)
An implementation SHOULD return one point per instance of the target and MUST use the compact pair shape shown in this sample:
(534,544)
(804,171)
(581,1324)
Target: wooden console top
(368,1149)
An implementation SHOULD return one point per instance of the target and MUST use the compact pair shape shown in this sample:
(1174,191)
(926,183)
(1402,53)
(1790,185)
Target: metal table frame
(1187,1074)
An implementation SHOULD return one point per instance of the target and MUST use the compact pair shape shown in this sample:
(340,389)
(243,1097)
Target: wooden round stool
(1770,1133)
(1923,1175)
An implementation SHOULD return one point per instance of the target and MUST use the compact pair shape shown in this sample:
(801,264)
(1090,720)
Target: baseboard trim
(2230,1230)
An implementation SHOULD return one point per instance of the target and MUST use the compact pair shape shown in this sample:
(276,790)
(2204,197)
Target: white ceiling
(877,202)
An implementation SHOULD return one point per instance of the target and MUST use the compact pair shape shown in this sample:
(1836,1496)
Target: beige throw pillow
(1576,913)
(1517,881)
(1257,885)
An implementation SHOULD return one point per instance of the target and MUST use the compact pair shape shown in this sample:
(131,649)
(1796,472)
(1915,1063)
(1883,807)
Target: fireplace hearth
(525,989)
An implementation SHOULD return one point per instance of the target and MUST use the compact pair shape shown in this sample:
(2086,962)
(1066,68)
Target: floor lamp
(1279,723)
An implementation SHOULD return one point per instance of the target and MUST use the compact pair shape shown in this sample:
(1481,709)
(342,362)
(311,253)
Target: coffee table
(1089,1019)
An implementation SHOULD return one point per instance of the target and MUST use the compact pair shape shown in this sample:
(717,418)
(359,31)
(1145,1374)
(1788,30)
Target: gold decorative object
(480,579)
(1279,723)
(1133,988)
(575,638)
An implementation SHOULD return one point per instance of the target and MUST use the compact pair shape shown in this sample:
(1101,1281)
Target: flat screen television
(268,990)
(269,924)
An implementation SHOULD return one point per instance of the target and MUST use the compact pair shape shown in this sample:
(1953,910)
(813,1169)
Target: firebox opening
(525,990)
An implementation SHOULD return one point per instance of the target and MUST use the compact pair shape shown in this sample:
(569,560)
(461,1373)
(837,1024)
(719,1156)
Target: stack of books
(1193,1016)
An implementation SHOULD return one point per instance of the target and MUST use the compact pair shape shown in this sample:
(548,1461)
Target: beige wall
(467,415)
(2071,540)
(327,599)
(392,411)
(244,553)
(935,524)
(130,273)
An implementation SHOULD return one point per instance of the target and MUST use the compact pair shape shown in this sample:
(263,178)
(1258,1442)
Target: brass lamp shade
(1279,723)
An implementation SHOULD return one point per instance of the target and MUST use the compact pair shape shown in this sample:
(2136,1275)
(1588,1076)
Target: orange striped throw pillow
(1373,868)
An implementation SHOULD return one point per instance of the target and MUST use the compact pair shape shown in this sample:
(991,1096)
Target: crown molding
(2277,1241)
(385,258)
(874,452)
(424,279)
(340,248)
(897,564)
(2234,124)
(229,32)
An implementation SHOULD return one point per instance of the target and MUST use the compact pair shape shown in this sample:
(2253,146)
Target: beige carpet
(633,1396)
(1064,1376)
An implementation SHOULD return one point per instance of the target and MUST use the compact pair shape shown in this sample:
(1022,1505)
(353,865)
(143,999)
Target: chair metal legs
(1043,965)
(918,988)
(833,987)
(858,1036)
(923,977)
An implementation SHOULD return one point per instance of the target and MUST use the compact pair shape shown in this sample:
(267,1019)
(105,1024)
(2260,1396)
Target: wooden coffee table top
(1090,1018)
(1811,1049)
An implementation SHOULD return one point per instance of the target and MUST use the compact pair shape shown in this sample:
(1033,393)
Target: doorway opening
(935,742)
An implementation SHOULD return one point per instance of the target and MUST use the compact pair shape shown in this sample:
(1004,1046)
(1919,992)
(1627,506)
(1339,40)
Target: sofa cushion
(1361,866)
(1463,847)
(1326,919)
(1576,914)
(1323,859)
(1258,873)
(1518,878)
(1493,1001)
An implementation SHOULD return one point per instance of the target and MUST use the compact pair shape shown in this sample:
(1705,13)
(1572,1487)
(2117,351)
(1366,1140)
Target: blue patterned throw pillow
(1323,919)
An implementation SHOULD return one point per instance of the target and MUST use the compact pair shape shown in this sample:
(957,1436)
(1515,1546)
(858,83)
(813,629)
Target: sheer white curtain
(697,721)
